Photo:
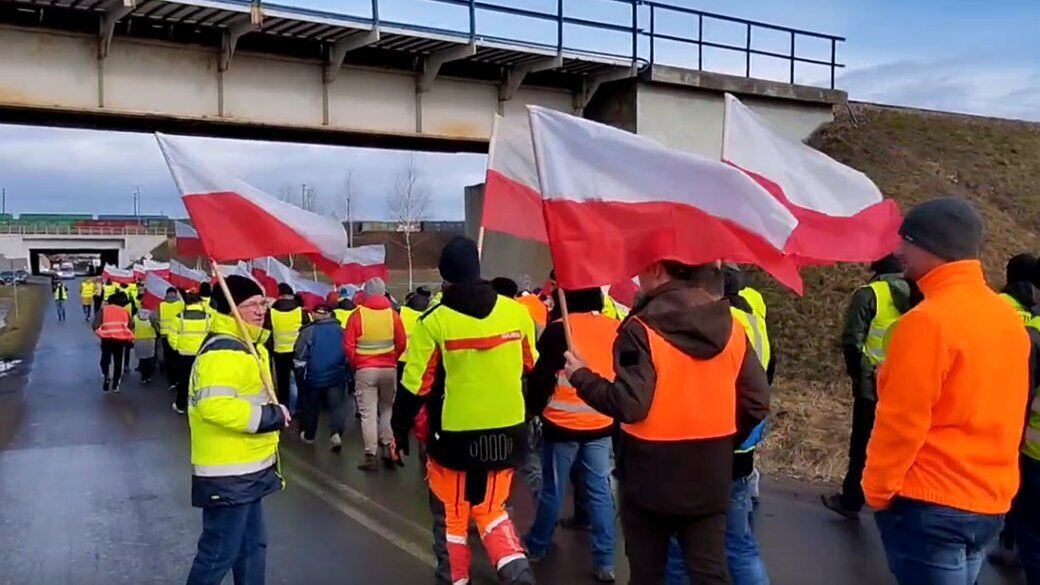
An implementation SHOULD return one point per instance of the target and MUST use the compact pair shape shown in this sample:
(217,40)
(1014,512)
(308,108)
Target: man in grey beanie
(942,462)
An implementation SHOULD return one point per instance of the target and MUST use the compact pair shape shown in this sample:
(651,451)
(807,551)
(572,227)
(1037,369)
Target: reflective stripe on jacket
(190,330)
(593,335)
(168,311)
(756,333)
(409,317)
(377,331)
(61,293)
(115,324)
(285,325)
(143,329)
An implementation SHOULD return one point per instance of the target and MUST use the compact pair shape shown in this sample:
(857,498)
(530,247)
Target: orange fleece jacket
(952,396)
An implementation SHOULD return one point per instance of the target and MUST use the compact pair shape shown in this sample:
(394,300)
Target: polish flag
(312,292)
(188,242)
(160,268)
(362,264)
(512,203)
(842,215)
(238,269)
(186,278)
(615,203)
(155,288)
(269,272)
(139,273)
(118,275)
(237,221)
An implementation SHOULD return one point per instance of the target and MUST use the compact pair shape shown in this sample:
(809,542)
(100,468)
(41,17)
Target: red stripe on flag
(600,242)
(512,208)
(190,247)
(357,273)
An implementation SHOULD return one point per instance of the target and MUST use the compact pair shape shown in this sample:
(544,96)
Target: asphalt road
(94,489)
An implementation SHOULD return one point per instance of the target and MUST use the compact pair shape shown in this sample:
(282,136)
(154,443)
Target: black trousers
(283,370)
(97,304)
(184,365)
(112,352)
(863,410)
(647,534)
(170,365)
(146,367)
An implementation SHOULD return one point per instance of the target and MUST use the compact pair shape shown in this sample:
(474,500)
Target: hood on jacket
(688,318)
(319,320)
(375,303)
(347,304)
(904,294)
(476,299)
(418,302)
(285,305)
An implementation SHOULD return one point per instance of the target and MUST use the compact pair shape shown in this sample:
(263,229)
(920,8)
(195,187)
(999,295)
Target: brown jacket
(690,477)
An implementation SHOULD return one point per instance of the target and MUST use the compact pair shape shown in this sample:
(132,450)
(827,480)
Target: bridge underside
(107,256)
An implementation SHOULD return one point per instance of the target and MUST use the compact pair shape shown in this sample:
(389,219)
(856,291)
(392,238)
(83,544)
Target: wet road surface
(94,489)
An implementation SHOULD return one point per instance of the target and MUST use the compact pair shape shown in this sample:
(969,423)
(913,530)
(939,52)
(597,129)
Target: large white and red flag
(615,203)
(362,264)
(842,215)
(187,239)
(236,221)
(186,278)
(155,287)
(312,292)
(512,202)
(139,272)
(269,272)
(118,275)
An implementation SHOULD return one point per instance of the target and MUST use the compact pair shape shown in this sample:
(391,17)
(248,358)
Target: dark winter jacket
(689,477)
(319,357)
(861,312)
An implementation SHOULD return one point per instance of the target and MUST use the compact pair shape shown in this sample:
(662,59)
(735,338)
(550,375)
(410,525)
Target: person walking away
(285,320)
(61,294)
(321,373)
(234,441)
(131,309)
(87,288)
(874,309)
(145,335)
(170,307)
(112,325)
(465,362)
(345,307)
(942,462)
(688,388)
(414,306)
(108,289)
(190,329)
(573,433)
(99,295)
(206,296)
(374,338)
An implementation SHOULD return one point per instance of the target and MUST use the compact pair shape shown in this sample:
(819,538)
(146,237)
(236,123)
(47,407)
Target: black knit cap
(242,289)
(284,290)
(1020,268)
(460,261)
(948,227)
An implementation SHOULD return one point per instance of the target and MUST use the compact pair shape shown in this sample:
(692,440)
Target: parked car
(21,276)
(66,274)
(7,277)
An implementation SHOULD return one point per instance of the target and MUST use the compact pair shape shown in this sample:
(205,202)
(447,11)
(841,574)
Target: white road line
(410,546)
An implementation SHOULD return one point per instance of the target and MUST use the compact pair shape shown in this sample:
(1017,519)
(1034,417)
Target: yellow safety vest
(109,290)
(377,331)
(143,329)
(886,316)
(168,311)
(61,293)
(286,328)
(86,292)
(190,330)
(483,360)
(757,333)
(613,310)
(225,401)
(409,317)
(756,300)
(343,315)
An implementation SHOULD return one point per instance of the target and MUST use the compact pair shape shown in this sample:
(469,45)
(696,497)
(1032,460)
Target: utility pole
(303,195)
(3,198)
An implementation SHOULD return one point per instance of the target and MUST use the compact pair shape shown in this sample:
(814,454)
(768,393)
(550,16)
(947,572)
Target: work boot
(335,443)
(106,385)
(306,441)
(605,575)
(388,458)
(833,503)
(175,409)
(369,463)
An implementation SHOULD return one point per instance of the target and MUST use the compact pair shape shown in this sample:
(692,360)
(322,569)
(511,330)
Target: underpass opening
(82,261)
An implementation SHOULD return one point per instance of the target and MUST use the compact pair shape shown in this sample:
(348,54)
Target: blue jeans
(233,539)
(928,544)
(1027,519)
(557,461)
(745,564)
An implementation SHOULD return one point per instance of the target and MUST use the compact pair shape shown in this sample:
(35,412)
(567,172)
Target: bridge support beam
(241,25)
(113,11)
(431,66)
(591,84)
(515,78)
(337,55)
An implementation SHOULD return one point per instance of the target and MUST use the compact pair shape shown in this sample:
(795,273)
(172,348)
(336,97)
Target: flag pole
(480,242)
(565,314)
(265,374)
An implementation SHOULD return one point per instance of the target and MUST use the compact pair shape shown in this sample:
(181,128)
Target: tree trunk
(408,249)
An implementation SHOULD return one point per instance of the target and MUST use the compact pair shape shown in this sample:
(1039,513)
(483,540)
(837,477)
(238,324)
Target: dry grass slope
(912,156)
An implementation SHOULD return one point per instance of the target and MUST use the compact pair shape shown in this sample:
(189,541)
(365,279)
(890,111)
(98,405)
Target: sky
(965,56)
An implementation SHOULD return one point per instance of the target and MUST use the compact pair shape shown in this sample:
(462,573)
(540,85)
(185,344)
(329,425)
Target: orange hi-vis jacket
(536,308)
(952,396)
(693,399)
(593,335)
(115,324)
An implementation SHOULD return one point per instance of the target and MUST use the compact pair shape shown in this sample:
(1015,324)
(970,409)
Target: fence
(72,230)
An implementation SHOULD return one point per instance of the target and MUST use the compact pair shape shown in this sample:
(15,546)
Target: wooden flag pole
(480,242)
(566,320)
(265,374)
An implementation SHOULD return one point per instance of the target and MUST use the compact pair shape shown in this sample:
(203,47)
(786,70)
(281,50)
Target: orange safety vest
(377,331)
(536,308)
(693,399)
(593,336)
(115,324)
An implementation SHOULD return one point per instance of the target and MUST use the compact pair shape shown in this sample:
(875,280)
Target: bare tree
(409,203)
(347,206)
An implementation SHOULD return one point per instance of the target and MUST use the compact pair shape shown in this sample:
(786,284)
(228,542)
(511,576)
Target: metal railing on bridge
(42,229)
(645,25)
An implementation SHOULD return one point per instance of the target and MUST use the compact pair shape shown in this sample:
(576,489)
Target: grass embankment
(912,156)
(18,338)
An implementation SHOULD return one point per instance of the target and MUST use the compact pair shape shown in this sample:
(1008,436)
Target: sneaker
(368,463)
(106,385)
(833,503)
(146,381)
(115,387)
(335,443)
(303,437)
(386,454)
(175,409)
(604,575)
(172,388)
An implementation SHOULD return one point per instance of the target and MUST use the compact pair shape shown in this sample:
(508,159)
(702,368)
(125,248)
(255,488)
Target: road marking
(418,550)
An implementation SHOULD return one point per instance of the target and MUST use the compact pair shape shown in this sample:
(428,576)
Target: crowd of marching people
(652,414)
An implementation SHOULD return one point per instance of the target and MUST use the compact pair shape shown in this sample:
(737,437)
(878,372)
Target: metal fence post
(635,30)
(375,12)
(472,20)
(834,51)
(792,57)
(700,41)
(747,72)
(651,34)
(559,26)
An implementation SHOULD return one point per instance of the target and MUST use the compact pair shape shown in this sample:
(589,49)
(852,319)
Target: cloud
(956,85)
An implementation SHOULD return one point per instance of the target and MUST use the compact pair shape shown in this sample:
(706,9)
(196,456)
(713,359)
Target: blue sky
(958,55)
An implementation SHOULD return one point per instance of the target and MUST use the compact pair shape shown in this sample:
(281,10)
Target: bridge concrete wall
(131,247)
(148,80)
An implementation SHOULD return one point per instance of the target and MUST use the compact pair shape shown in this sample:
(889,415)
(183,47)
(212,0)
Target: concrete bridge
(23,245)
